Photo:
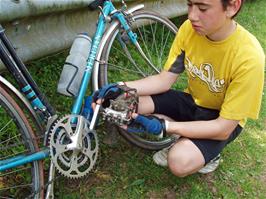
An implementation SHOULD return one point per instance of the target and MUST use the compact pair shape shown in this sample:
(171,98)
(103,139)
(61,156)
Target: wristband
(166,125)
(121,83)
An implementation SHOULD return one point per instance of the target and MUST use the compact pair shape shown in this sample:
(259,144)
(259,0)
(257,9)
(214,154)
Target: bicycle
(30,129)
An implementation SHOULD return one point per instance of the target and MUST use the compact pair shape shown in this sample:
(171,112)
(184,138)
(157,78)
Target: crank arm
(95,116)
(50,188)
(76,143)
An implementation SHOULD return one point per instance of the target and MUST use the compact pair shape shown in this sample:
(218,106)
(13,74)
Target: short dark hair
(227,2)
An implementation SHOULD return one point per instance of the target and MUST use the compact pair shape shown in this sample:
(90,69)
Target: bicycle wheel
(17,139)
(122,61)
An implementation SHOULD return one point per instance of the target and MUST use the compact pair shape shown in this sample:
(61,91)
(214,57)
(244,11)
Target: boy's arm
(217,129)
(155,84)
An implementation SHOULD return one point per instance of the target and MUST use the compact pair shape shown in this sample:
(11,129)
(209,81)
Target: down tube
(87,74)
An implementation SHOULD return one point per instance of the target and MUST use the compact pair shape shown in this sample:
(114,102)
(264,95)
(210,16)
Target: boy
(225,66)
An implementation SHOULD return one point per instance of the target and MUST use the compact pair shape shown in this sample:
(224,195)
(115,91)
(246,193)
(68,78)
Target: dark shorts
(180,106)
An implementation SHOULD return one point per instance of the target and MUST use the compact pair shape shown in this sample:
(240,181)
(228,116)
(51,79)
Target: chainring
(77,162)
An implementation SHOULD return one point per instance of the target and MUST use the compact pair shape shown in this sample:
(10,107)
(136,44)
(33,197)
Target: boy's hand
(149,124)
(106,93)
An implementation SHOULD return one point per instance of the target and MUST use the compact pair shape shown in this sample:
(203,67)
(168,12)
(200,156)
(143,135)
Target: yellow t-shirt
(226,75)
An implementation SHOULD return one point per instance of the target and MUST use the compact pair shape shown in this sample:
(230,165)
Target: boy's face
(208,17)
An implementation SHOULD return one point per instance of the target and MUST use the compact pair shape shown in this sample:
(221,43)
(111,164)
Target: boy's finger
(134,115)
(99,101)
(93,105)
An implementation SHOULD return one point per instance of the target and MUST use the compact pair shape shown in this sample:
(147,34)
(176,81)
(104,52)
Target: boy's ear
(233,8)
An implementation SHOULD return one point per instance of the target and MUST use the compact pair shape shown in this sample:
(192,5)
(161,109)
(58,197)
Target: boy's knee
(178,165)
(184,159)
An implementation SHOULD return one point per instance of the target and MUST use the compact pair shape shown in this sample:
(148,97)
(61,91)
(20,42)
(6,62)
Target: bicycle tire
(17,138)
(143,22)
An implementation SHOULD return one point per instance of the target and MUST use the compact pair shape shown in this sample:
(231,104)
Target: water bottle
(74,67)
(87,111)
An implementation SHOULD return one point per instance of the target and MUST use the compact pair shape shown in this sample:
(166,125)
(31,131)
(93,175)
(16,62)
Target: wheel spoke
(9,122)
(121,68)
(14,171)
(15,187)
(9,139)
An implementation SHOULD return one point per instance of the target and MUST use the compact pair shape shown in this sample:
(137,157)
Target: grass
(124,171)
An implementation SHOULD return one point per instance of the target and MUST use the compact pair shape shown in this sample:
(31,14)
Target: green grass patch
(125,171)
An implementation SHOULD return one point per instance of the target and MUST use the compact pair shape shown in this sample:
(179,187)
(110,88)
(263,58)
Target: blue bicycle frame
(108,10)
